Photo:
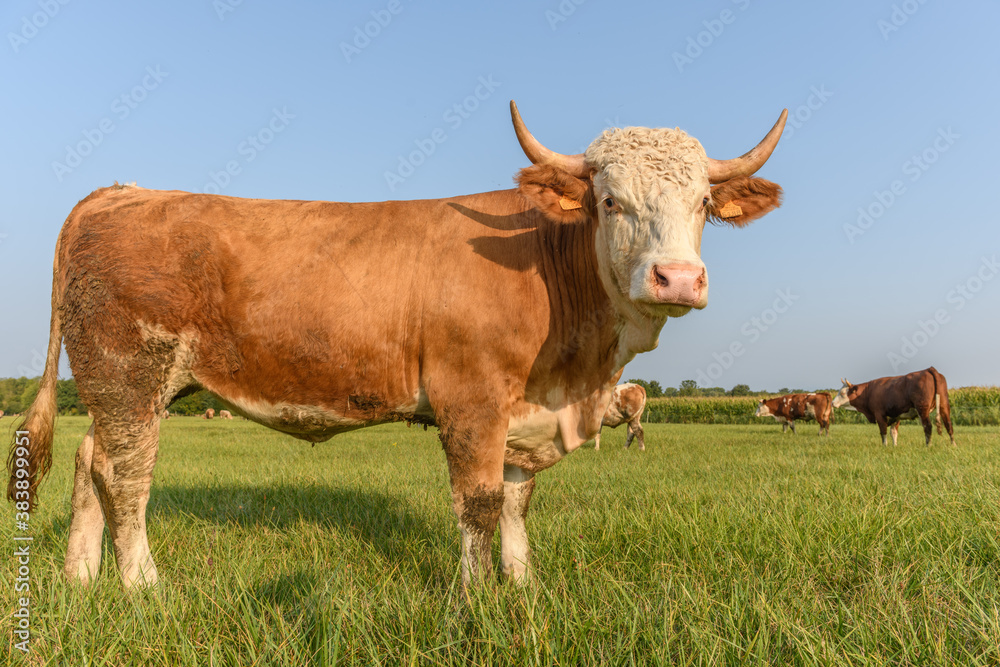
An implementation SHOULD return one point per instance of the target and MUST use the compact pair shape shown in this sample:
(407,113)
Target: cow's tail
(30,454)
(942,406)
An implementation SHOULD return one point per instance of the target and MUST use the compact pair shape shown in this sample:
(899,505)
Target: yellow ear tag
(730,210)
(567,204)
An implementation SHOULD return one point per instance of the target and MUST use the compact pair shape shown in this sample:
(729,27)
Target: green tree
(740,390)
(68,398)
(652,387)
(689,388)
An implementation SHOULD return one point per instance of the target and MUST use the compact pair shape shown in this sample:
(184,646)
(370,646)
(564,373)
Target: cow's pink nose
(681,284)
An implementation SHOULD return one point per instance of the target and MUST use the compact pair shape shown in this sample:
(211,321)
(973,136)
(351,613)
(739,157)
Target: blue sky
(881,261)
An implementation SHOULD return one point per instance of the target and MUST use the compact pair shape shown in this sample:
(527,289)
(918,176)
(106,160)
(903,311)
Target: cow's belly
(308,422)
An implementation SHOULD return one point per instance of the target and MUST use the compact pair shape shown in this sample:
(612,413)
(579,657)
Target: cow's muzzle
(681,284)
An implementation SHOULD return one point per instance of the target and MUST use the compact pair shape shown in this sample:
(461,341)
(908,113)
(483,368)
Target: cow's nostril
(661,278)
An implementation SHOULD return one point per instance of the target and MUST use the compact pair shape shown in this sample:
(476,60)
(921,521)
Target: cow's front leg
(515,554)
(474,448)
(791,423)
(784,428)
(894,429)
(883,429)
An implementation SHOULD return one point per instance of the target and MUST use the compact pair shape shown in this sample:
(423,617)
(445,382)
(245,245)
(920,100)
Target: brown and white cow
(806,407)
(503,318)
(209,414)
(225,414)
(888,400)
(627,403)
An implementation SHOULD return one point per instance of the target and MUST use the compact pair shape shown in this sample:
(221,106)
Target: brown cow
(807,407)
(627,403)
(225,414)
(888,400)
(503,318)
(209,414)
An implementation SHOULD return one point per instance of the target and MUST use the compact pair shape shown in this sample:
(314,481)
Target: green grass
(718,545)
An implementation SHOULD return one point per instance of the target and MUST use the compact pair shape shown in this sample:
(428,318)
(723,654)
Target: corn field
(970,406)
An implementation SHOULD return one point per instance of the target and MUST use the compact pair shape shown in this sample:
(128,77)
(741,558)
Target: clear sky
(881,261)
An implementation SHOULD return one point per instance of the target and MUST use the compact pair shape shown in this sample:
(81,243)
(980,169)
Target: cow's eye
(609,203)
(704,202)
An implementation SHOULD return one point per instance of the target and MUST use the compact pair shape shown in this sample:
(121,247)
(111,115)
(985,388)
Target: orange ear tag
(567,204)
(730,210)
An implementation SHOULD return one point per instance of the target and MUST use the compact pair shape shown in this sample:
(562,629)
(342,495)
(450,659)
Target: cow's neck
(594,330)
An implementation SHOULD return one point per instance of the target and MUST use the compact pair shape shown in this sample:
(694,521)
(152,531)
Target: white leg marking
(515,554)
(83,554)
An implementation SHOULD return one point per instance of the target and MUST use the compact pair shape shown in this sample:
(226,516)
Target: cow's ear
(560,196)
(740,201)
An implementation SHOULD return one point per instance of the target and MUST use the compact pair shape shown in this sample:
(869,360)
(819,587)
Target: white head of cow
(651,191)
(842,399)
(762,410)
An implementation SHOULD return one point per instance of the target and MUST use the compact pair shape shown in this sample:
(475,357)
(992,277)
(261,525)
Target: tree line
(691,388)
(17,394)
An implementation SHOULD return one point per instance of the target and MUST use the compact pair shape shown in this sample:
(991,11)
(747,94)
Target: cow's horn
(747,164)
(539,154)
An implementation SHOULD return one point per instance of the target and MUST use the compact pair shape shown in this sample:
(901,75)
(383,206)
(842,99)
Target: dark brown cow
(627,403)
(503,318)
(886,401)
(806,407)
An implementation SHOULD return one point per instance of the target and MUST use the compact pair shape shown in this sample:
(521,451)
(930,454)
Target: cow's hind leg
(925,420)
(635,430)
(515,555)
(597,442)
(122,470)
(83,555)
(895,433)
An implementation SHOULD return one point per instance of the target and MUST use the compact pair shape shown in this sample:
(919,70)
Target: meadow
(719,545)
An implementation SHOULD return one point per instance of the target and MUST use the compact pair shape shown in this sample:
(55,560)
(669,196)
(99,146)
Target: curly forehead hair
(640,157)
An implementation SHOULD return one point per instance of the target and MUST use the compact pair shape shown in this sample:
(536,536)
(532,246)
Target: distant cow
(165,414)
(627,403)
(225,414)
(1,414)
(209,414)
(807,407)
(886,401)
